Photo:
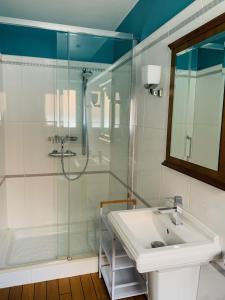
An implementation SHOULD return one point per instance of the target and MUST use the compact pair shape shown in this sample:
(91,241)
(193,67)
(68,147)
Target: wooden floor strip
(15,293)
(100,287)
(76,288)
(85,287)
(4,294)
(64,286)
(28,292)
(88,287)
(40,292)
(52,290)
(66,297)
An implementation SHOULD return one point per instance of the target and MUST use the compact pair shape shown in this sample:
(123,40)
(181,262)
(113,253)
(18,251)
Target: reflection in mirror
(198,102)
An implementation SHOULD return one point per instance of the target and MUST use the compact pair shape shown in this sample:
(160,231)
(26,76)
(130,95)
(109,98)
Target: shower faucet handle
(56,139)
(59,139)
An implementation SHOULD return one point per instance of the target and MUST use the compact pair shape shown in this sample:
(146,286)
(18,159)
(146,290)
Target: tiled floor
(85,287)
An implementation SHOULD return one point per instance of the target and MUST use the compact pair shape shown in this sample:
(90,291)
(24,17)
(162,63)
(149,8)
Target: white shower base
(25,251)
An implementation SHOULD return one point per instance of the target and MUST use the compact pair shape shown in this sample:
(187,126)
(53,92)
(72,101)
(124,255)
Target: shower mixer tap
(62,139)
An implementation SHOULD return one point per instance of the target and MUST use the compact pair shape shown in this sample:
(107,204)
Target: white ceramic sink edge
(178,255)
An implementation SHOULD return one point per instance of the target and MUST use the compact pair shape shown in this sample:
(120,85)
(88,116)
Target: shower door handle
(188,147)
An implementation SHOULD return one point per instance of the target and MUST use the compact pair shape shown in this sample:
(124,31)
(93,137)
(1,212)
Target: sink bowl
(189,244)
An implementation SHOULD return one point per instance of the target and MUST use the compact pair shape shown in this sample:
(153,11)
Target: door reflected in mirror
(198,102)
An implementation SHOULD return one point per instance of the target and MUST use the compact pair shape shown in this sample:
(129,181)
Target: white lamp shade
(151,74)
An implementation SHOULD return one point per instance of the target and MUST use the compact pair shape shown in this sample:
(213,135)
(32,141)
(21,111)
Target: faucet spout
(176,218)
(175,212)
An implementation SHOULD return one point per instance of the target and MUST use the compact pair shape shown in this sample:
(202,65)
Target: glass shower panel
(100,85)
(61,117)
(30,234)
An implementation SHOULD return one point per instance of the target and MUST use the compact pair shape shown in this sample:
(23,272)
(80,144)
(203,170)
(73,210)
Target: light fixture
(151,75)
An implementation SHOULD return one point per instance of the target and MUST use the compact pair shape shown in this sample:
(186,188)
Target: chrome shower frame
(86,74)
(65,28)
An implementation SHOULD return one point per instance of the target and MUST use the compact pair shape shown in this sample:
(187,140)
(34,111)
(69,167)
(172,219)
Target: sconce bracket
(156,92)
(153,90)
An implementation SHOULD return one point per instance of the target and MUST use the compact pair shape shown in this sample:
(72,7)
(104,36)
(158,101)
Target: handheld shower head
(86,74)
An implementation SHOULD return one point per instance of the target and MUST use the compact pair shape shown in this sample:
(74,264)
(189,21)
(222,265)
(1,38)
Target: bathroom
(88,130)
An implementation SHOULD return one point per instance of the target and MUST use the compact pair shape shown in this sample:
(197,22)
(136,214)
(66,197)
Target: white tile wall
(13,89)
(16,208)
(151,180)
(31,201)
(38,94)
(48,200)
(14,148)
(37,146)
(154,182)
(33,113)
(29,101)
(3,207)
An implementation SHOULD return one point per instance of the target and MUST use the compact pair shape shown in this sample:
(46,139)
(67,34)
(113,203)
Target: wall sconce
(151,75)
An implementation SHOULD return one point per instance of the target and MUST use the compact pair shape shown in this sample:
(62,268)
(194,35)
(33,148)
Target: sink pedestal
(178,284)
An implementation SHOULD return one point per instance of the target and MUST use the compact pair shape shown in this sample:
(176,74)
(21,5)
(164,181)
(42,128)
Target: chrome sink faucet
(174,211)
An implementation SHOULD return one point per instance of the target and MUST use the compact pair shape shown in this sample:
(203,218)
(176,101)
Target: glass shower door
(92,115)
(70,187)
(61,131)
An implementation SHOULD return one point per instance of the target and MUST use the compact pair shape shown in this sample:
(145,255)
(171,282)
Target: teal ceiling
(148,15)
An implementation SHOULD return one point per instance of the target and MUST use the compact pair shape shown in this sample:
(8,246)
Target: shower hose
(85,166)
(67,176)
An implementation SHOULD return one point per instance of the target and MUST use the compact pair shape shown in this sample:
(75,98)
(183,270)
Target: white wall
(151,180)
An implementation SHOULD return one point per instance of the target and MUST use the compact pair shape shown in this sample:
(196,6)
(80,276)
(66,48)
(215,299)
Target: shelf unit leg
(113,268)
(100,244)
(147,286)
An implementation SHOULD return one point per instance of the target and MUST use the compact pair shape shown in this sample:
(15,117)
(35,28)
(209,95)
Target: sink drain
(157,244)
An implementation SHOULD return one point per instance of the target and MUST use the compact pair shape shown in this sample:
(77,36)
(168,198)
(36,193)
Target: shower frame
(85,31)
(65,28)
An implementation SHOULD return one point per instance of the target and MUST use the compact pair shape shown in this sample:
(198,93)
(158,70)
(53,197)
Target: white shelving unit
(117,269)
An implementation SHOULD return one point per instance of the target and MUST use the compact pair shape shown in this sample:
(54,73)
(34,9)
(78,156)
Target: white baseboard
(48,271)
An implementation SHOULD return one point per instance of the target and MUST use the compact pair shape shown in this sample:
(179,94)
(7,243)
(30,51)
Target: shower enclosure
(64,139)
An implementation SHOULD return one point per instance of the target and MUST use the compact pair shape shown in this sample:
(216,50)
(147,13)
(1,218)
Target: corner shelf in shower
(117,269)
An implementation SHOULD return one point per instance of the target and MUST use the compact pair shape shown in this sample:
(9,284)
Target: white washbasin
(188,244)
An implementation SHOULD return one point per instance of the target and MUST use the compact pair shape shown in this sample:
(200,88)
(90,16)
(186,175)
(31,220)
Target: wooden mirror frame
(212,177)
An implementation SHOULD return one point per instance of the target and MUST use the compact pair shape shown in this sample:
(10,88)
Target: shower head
(86,74)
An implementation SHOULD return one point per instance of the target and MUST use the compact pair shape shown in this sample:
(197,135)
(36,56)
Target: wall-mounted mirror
(196,123)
